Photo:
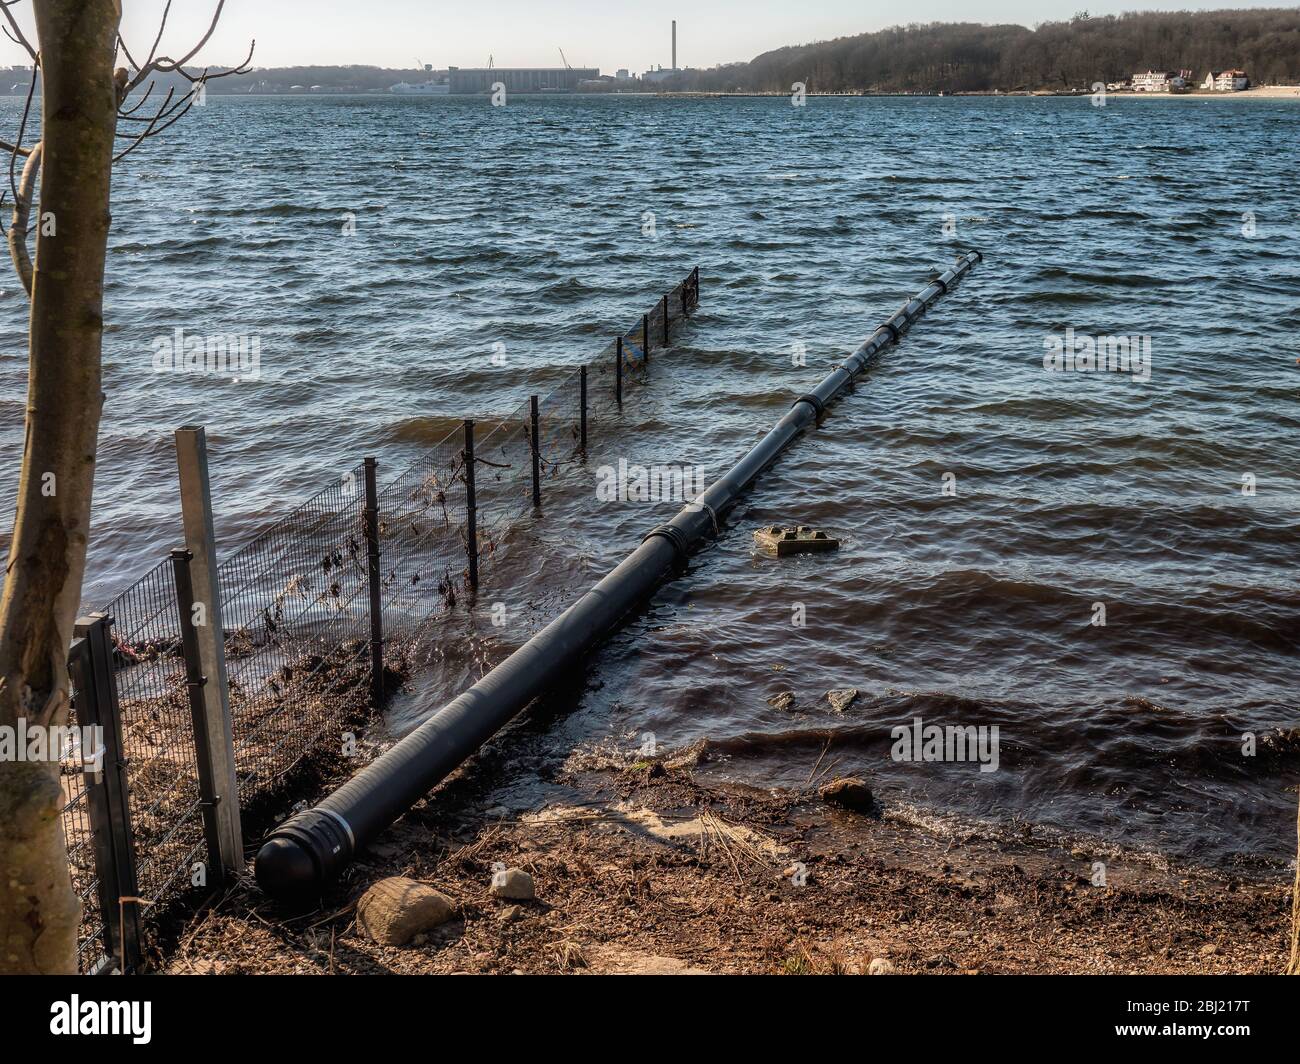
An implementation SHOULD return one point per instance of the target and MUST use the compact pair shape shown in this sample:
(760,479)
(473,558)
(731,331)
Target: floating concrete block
(801,540)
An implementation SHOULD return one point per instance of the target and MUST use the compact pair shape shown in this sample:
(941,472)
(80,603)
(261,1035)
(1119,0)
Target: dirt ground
(643,870)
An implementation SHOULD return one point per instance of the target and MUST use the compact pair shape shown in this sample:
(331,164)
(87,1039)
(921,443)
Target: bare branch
(22,130)
(153,52)
(139,103)
(164,64)
(13,31)
(18,228)
(154,128)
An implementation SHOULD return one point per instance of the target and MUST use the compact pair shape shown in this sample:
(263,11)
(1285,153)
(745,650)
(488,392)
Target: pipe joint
(675,536)
(812,401)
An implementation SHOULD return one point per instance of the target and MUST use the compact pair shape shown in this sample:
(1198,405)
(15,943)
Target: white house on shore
(1226,81)
(1161,80)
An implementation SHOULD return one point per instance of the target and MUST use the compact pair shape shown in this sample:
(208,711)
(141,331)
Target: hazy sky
(601,33)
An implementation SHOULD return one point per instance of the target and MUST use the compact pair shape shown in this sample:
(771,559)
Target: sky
(608,34)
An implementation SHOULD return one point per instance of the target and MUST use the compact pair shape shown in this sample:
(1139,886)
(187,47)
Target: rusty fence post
(534,440)
(370,517)
(582,419)
(471,506)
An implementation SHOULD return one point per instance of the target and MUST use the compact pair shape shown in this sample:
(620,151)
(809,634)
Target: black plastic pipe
(309,850)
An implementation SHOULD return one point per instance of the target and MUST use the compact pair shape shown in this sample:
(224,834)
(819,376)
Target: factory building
(466,81)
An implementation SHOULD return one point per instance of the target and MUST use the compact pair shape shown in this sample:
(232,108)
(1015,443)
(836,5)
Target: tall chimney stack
(674,44)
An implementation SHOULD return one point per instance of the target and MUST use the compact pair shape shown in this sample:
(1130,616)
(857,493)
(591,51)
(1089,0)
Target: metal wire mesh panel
(559,431)
(157,736)
(77,835)
(422,527)
(503,473)
(639,342)
(295,608)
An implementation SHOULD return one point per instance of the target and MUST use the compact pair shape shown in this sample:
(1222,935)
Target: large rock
(515,884)
(395,910)
(849,792)
(841,700)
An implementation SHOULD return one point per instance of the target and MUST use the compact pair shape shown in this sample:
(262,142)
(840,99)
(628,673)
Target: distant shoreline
(1267,92)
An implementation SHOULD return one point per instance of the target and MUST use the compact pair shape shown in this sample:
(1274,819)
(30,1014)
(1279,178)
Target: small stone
(847,791)
(513,883)
(783,701)
(1209,949)
(511,913)
(395,910)
(880,966)
(841,700)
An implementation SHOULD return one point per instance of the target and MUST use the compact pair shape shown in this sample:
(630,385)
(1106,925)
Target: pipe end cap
(284,869)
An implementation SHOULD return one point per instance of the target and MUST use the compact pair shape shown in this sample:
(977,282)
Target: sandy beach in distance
(1262,92)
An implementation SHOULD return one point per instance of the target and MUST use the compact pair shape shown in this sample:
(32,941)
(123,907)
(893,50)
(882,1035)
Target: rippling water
(524,226)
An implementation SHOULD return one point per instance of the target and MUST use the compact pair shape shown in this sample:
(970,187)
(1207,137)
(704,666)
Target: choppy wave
(470,257)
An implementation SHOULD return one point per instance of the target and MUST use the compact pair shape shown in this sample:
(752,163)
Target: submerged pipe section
(309,850)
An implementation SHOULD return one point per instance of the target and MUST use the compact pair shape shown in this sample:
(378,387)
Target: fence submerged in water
(321,615)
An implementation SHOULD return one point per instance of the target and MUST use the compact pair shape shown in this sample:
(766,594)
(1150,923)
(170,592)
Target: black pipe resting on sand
(308,851)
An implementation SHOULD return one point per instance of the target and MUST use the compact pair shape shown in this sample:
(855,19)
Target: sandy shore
(1265,92)
(641,869)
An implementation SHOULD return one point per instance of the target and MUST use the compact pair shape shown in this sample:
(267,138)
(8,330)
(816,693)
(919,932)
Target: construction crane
(565,61)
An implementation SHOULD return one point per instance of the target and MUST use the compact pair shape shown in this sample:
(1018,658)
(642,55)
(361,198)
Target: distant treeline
(271,80)
(966,57)
(949,57)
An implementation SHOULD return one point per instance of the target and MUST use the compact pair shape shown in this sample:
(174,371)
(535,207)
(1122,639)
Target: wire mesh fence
(295,611)
(78,836)
(305,607)
(422,526)
(157,736)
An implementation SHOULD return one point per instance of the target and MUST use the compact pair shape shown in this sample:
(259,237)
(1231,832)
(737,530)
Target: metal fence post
(371,519)
(534,439)
(196,514)
(209,796)
(582,401)
(471,506)
(665,319)
(106,790)
(618,372)
(695,288)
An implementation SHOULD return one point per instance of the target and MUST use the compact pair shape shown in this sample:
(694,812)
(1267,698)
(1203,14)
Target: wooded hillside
(966,57)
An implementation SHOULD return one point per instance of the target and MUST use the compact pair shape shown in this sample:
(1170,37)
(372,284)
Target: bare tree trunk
(39,912)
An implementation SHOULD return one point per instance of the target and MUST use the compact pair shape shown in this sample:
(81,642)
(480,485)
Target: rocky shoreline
(641,869)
